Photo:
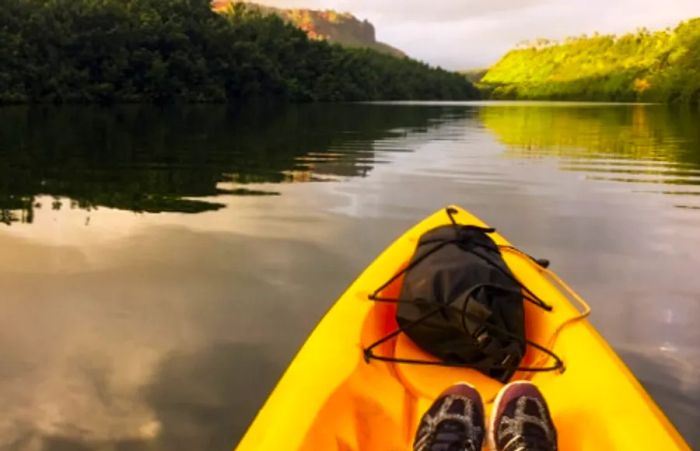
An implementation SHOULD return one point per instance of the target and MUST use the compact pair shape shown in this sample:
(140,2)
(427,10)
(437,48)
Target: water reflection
(165,339)
(645,144)
(152,160)
(165,331)
(646,134)
(180,415)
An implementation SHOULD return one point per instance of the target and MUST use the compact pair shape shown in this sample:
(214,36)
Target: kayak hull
(331,398)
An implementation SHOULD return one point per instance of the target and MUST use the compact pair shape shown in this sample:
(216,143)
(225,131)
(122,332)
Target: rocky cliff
(341,28)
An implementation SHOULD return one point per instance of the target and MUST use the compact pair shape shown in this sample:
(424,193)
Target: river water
(159,268)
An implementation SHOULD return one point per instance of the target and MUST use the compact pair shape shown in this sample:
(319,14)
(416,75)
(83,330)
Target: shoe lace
(452,436)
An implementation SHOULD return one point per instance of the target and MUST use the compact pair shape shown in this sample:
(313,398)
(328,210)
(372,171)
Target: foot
(455,422)
(521,421)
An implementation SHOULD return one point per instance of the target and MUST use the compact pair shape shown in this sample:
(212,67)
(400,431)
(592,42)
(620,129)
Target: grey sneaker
(521,421)
(454,422)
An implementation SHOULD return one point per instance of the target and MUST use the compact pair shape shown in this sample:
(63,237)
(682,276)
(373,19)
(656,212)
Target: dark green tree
(104,51)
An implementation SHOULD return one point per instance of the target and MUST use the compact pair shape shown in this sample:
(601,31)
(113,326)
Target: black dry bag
(462,303)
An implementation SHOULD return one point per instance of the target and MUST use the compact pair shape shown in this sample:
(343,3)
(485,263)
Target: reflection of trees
(596,132)
(152,160)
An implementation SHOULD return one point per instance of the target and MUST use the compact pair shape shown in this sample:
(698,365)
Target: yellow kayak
(332,398)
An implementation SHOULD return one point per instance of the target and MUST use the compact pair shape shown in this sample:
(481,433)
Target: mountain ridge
(338,27)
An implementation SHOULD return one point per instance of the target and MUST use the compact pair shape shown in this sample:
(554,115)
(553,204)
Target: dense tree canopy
(647,66)
(165,50)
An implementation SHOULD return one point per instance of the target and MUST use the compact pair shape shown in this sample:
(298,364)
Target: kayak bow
(332,398)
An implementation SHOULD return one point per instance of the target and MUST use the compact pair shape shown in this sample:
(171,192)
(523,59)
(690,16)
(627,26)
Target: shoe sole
(491,432)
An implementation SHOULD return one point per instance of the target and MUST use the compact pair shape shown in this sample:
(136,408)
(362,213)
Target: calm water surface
(159,268)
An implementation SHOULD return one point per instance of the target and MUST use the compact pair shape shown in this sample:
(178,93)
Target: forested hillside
(340,28)
(646,66)
(180,50)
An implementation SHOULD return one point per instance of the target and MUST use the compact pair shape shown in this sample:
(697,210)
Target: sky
(466,34)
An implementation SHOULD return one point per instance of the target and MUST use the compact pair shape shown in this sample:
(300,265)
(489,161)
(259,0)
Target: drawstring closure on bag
(496,356)
(369,354)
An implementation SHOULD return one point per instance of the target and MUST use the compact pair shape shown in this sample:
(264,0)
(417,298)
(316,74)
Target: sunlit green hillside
(642,66)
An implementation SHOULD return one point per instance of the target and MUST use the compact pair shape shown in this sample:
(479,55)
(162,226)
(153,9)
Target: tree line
(106,51)
(662,66)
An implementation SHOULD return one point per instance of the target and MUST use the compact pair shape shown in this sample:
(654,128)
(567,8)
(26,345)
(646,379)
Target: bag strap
(500,358)
(369,354)
(528,295)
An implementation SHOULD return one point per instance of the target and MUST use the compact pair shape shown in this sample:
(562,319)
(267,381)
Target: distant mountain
(341,28)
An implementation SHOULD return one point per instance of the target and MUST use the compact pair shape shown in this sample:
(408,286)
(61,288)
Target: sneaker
(521,421)
(455,422)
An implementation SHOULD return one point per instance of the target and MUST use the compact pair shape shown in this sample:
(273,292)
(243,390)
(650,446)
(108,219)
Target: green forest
(160,51)
(661,66)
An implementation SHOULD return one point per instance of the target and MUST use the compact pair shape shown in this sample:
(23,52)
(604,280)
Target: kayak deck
(331,398)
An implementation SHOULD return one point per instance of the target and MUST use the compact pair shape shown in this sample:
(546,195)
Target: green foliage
(643,66)
(102,51)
